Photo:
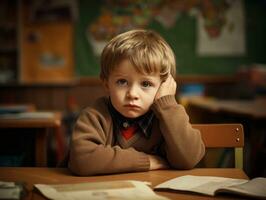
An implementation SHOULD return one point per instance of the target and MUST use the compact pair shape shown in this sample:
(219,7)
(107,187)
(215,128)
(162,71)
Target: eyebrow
(119,75)
(149,76)
(141,76)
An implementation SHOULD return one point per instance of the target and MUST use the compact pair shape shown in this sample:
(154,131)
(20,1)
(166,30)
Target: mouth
(131,106)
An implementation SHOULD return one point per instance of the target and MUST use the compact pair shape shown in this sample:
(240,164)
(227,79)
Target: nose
(132,92)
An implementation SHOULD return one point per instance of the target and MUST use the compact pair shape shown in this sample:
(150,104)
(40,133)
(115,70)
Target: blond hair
(147,51)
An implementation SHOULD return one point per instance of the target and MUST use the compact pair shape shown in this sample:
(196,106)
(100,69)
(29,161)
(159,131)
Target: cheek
(116,94)
(151,95)
(155,90)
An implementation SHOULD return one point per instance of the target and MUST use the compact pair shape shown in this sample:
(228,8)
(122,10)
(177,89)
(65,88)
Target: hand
(156,162)
(168,87)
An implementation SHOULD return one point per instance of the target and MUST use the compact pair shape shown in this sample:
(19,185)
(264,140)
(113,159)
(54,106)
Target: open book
(118,190)
(211,185)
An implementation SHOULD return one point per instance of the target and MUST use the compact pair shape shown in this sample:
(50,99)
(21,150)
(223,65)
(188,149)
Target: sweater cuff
(164,102)
(143,162)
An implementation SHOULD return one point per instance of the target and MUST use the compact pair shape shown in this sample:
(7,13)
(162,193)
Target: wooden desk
(62,176)
(253,108)
(42,126)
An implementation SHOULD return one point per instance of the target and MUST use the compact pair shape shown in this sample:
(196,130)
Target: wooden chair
(224,136)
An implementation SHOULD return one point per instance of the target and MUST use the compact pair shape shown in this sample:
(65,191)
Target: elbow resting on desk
(187,160)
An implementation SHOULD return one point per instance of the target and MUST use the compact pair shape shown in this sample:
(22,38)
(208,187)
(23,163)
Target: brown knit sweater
(95,149)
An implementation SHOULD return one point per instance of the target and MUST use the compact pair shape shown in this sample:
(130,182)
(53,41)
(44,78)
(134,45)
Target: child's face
(131,93)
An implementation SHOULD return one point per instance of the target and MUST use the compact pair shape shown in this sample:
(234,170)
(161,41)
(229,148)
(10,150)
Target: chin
(131,115)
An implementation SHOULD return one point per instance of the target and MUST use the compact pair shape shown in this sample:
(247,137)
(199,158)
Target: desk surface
(254,108)
(53,119)
(59,176)
(42,122)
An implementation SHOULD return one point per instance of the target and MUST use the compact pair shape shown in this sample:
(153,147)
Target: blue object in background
(192,90)
(11,160)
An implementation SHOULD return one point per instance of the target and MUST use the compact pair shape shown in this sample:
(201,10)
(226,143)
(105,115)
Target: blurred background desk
(254,108)
(41,122)
(251,113)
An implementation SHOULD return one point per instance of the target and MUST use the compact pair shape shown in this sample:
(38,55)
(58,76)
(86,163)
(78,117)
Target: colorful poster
(221,32)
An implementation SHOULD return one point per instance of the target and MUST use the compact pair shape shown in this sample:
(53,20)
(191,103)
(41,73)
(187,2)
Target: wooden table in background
(250,112)
(32,176)
(43,126)
(255,108)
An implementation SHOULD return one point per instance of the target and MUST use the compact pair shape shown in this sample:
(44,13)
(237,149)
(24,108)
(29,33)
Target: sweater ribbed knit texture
(96,149)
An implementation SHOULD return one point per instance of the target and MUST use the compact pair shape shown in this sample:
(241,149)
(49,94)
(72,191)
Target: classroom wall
(182,38)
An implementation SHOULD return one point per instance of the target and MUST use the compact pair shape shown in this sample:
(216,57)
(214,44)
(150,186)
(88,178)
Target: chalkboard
(182,38)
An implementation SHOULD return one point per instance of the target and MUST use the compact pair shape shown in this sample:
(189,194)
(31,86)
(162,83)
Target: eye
(121,82)
(146,84)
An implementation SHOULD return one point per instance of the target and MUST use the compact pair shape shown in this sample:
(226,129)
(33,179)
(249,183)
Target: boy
(140,126)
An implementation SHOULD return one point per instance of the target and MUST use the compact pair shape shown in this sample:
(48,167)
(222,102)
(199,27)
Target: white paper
(9,190)
(115,190)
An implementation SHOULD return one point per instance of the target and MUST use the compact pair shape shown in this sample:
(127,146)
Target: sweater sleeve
(183,145)
(91,153)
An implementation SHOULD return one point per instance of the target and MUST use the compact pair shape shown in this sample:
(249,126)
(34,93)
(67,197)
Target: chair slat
(224,136)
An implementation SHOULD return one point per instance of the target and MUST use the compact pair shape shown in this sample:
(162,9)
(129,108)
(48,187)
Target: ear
(106,86)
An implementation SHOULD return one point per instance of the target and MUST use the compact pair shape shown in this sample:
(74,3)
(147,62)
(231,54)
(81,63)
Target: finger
(168,80)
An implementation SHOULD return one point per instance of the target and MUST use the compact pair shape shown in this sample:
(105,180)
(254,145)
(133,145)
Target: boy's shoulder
(100,105)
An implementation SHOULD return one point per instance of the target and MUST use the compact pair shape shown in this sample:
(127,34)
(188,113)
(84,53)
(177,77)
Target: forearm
(106,160)
(183,145)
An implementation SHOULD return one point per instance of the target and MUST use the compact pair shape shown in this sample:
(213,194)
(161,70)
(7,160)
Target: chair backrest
(223,136)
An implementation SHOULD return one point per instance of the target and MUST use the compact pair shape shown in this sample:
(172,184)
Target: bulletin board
(182,37)
(46,54)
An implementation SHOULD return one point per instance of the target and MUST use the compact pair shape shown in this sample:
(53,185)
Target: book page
(199,184)
(254,188)
(118,190)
